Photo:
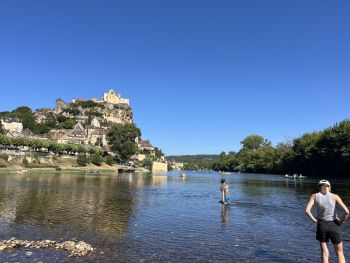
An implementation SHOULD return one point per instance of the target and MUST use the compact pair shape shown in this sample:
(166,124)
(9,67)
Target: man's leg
(324,252)
(340,254)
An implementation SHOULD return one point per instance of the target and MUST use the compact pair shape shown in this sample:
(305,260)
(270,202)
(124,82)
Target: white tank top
(325,206)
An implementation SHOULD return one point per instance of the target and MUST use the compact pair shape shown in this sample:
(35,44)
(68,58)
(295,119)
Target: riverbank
(90,169)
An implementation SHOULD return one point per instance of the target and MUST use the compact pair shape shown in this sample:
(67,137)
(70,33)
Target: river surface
(163,218)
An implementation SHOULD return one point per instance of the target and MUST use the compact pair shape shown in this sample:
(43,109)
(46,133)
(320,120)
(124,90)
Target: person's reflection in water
(224,214)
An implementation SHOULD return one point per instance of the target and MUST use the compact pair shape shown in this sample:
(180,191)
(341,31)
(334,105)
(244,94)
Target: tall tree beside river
(122,139)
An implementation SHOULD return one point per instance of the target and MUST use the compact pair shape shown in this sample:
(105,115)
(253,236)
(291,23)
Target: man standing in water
(328,224)
(225,195)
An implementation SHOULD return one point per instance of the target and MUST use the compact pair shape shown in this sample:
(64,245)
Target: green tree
(40,128)
(25,115)
(82,159)
(121,138)
(109,160)
(254,142)
(67,124)
(158,152)
(51,121)
(147,163)
(96,159)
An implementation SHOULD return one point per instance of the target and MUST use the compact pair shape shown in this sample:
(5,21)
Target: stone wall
(31,158)
(159,167)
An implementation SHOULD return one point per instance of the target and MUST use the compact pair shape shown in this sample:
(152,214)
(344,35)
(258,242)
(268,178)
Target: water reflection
(134,218)
(101,204)
(224,214)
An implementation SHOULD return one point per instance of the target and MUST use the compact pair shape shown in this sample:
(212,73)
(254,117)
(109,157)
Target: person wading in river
(328,224)
(225,195)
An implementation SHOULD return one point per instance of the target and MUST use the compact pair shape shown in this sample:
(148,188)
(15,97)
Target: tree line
(321,153)
(50,146)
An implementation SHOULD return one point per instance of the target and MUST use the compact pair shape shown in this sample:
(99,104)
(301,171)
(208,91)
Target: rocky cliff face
(98,113)
(85,110)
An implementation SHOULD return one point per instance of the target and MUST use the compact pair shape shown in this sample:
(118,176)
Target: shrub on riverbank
(82,160)
(96,159)
(109,160)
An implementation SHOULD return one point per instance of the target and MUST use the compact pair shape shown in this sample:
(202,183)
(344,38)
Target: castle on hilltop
(110,97)
(114,98)
(112,108)
(81,121)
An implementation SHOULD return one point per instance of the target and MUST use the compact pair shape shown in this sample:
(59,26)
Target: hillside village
(81,121)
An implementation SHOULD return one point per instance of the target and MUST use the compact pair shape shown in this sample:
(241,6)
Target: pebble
(76,249)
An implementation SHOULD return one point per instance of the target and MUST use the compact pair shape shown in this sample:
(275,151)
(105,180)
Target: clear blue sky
(201,75)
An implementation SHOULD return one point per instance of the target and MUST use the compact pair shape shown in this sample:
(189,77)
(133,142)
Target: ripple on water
(131,218)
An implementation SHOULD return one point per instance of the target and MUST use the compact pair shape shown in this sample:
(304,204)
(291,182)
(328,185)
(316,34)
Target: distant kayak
(226,173)
(295,176)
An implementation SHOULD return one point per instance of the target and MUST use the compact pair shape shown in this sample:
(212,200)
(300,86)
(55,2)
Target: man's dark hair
(223,181)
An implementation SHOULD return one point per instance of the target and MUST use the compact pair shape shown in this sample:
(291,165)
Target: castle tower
(114,98)
(60,106)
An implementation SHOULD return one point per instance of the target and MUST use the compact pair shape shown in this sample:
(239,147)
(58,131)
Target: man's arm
(343,206)
(308,208)
(222,194)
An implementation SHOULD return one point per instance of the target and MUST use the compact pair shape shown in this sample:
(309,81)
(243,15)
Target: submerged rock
(76,249)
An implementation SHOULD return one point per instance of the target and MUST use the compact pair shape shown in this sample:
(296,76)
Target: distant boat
(295,176)
(182,175)
(226,173)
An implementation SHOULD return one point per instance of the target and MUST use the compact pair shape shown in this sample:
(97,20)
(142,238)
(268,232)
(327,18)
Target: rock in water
(76,249)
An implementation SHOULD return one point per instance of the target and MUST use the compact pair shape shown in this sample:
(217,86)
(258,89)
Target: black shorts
(328,230)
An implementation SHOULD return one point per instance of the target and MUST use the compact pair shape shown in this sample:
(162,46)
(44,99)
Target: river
(163,218)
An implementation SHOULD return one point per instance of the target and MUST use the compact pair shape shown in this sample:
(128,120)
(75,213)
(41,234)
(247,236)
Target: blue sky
(200,75)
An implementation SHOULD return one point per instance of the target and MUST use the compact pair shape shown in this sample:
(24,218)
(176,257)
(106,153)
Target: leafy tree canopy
(122,139)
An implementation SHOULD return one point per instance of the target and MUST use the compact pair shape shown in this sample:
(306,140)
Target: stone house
(146,146)
(95,122)
(95,135)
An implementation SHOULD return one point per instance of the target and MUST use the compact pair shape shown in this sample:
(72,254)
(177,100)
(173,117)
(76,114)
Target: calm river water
(163,218)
